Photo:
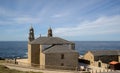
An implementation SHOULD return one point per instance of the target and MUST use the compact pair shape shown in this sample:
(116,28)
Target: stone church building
(51,52)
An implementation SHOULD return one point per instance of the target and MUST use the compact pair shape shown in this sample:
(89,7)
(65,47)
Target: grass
(4,69)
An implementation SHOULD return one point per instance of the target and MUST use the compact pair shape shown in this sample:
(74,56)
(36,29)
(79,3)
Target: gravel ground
(37,70)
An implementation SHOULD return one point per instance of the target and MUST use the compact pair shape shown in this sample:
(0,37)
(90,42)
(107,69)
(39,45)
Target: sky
(74,20)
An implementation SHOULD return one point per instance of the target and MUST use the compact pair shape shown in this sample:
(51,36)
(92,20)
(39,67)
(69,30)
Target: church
(51,52)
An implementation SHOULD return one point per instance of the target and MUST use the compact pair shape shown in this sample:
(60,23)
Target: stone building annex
(51,52)
(102,58)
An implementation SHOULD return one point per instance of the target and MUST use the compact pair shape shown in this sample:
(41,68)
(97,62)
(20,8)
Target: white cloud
(102,25)
(62,14)
(21,20)
(13,17)
(27,20)
(57,15)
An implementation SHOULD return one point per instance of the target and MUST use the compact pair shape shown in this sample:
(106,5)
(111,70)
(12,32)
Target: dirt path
(37,70)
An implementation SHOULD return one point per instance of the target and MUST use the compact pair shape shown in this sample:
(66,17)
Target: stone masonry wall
(33,54)
(53,60)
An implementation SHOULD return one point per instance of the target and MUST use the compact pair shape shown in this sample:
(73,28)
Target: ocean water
(12,49)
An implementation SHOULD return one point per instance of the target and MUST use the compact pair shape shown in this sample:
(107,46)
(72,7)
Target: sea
(18,49)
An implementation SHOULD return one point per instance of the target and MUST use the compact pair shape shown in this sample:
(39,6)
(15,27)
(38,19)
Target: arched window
(99,64)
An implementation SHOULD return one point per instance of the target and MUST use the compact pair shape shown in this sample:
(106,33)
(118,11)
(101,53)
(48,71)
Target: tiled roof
(59,49)
(50,41)
(105,52)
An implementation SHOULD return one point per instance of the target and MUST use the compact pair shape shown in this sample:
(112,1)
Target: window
(62,64)
(99,64)
(62,56)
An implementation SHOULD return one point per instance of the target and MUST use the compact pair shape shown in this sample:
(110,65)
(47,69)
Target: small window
(99,64)
(62,56)
(62,64)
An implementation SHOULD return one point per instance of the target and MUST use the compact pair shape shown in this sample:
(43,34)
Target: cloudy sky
(79,20)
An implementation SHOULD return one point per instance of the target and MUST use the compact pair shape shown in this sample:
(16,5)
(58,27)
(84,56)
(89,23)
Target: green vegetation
(4,69)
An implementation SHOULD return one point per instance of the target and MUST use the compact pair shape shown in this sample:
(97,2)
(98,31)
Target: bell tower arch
(31,34)
(50,32)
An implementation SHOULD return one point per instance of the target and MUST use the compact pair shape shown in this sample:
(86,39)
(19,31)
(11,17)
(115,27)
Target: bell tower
(31,34)
(49,32)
